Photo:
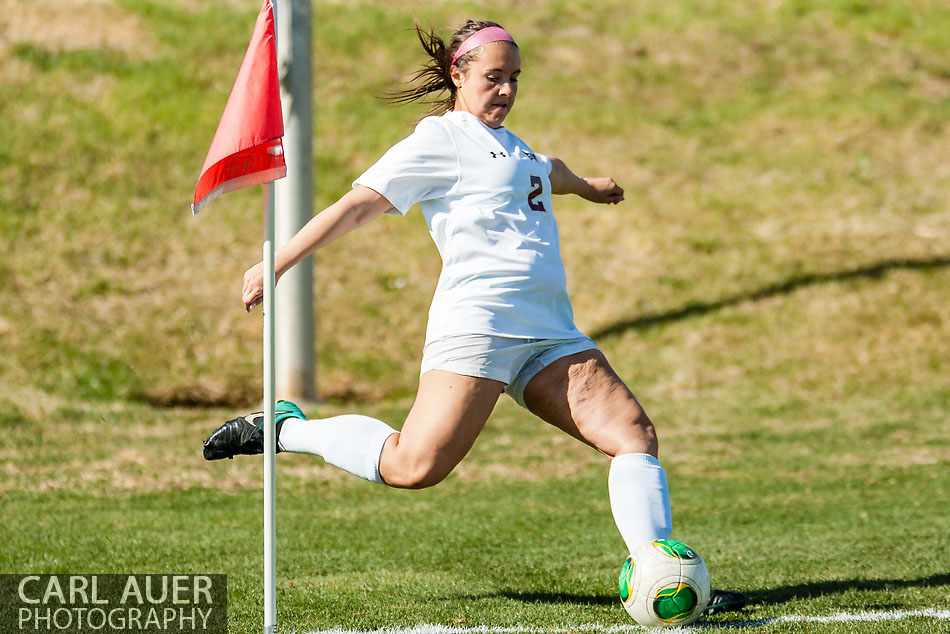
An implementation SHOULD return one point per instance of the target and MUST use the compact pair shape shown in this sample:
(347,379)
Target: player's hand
(253,292)
(604,190)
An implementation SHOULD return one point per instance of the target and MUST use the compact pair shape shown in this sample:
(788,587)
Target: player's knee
(631,433)
(641,436)
(417,474)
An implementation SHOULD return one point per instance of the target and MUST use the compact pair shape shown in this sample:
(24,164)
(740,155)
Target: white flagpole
(270,442)
(270,424)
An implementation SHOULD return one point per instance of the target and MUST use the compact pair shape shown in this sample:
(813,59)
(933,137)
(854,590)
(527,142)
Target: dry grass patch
(118,450)
(129,470)
(68,25)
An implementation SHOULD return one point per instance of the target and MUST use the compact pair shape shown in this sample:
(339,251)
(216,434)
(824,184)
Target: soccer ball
(664,583)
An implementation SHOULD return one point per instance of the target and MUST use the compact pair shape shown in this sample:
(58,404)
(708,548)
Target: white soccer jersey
(486,198)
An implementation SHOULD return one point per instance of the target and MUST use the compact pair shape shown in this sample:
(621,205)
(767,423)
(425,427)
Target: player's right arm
(597,190)
(356,208)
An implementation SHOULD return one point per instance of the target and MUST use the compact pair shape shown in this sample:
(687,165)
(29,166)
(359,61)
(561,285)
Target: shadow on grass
(784,594)
(771,596)
(693,309)
(557,597)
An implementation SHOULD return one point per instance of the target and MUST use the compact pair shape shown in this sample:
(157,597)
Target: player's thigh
(583,396)
(449,412)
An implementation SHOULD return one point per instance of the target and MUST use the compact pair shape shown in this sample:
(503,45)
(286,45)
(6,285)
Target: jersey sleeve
(423,166)
(546,162)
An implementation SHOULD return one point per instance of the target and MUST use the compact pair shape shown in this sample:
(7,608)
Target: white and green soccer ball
(664,583)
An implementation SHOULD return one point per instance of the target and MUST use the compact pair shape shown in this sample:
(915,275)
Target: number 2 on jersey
(535,204)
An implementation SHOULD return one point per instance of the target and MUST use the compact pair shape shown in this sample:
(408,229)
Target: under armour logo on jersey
(499,155)
(530,155)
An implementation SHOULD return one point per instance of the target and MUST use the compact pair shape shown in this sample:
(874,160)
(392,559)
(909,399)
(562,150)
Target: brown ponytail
(434,76)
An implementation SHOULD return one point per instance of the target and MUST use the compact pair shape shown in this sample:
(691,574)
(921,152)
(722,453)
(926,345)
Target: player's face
(488,86)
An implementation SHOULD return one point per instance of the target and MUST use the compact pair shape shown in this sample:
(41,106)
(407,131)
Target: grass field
(775,289)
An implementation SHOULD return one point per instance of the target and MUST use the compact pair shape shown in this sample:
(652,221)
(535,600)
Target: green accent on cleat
(286,409)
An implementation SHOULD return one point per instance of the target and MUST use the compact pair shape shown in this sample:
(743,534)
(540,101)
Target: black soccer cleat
(725,601)
(245,435)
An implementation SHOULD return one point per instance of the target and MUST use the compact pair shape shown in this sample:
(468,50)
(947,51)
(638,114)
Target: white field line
(594,628)
(839,617)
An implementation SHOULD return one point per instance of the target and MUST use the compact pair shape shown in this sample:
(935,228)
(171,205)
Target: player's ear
(456,76)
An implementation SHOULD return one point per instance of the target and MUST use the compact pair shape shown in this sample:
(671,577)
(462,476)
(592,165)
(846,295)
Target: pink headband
(482,37)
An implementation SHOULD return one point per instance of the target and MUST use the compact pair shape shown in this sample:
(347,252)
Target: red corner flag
(247,149)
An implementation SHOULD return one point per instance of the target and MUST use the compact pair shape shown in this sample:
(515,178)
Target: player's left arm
(598,190)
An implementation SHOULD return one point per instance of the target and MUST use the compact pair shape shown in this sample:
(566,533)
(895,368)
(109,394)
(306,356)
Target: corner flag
(247,148)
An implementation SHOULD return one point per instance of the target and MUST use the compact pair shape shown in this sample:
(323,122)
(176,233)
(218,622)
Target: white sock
(351,442)
(639,499)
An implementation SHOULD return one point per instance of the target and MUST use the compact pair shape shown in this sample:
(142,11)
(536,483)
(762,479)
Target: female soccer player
(500,320)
